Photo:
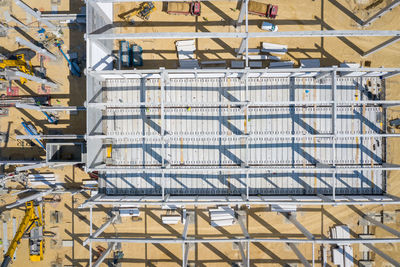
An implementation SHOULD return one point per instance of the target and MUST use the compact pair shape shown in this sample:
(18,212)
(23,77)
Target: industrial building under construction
(203,133)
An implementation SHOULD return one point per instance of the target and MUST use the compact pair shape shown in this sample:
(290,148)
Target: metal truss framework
(243,242)
(246,199)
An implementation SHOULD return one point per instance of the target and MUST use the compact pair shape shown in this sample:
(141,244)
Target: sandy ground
(216,16)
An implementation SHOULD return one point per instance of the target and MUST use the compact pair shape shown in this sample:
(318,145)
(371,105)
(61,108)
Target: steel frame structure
(164,76)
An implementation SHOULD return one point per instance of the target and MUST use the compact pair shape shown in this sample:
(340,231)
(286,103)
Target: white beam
(36,14)
(279,34)
(104,255)
(38,49)
(101,229)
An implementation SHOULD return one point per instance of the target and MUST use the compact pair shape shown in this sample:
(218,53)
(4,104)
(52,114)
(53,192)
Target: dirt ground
(216,16)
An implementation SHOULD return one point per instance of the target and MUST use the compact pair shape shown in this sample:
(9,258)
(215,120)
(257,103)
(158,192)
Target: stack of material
(342,255)
(90,184)
(186,55)
(281,65)
(310,63)
(274,48)
(40,179)
(171,218)
(129,212)
(222,216)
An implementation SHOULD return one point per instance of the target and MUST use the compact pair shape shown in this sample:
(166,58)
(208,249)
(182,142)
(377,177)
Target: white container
(266,26)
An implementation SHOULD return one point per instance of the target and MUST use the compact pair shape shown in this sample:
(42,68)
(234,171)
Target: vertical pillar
(242,47)
(90,234)
(242,13)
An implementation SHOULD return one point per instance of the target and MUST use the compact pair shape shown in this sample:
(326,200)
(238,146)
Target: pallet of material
(185,43)
(309,63)
(281,65)
(262,57)
(255,64)
(189,64)
(274,48)
(186,55)
(222,216)
(250,50)
(237,64)
(170,219)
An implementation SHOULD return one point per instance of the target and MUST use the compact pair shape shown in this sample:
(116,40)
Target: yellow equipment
(19,63)
(143,11)
(32,223)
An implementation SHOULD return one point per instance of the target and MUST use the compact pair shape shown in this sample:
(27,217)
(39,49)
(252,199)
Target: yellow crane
(32,223)
(21,62)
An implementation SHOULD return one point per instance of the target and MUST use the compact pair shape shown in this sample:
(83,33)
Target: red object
(195,9)
(272,11)
(13,91)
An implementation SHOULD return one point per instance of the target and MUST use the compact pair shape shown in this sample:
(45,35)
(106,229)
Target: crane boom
(27,223)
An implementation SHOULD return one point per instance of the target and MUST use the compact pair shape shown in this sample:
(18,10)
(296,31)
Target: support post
(185,254)
(90,234)
(382,12)
(381,46)
(240,215)
(242,47)
(242,254)
(383,255)
(242,13)
(104,254)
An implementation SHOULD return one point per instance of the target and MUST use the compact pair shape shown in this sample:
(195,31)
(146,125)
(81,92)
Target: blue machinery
(73,66)
(32,131)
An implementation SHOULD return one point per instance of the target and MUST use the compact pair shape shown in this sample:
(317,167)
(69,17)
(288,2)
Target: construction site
(200,133)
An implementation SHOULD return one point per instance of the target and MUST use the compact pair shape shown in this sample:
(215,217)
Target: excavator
(33,224)
(19,60)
